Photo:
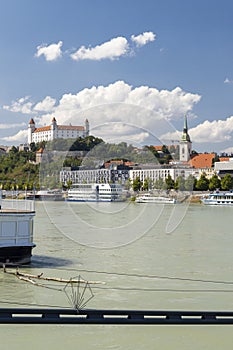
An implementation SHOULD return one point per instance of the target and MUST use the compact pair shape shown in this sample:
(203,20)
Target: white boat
(46,195)
(16,231)
(218,198)
(147,198)
(95,193)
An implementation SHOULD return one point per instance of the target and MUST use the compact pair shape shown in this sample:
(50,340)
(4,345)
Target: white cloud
(21,105)
(24,106)
(147,109)
(213,131)
(10,126)
(128,112)
(228,81)
(143,39)
(112,50)
(51,52)
(228,150)
(46,105)
(21,136)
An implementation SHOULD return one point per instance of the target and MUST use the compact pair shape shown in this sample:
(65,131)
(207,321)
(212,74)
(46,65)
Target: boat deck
(16,211)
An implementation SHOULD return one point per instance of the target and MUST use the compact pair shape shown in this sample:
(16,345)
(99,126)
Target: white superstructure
(218,198)
(148,198)
(16,231)
(95,193)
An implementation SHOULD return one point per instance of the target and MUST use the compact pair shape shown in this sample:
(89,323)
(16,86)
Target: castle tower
(87,127)
(31,129)
(53,128)
(185,143)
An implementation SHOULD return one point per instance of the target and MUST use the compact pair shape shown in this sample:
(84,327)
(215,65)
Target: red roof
(70,127)
(31,121)
(202,160)
(44,128)
(60,127)
(158,148)
(224,159)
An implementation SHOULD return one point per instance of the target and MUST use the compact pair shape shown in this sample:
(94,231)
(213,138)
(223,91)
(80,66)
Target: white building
(94,176)
(85,176)
(160,173)
(55,131)
(223,168)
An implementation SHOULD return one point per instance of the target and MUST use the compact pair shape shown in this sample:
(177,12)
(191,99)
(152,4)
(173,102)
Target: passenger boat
(218,198)
(16,231)
(95,193)
(147,198)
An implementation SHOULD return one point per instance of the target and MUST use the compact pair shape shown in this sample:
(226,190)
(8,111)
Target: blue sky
(75,59)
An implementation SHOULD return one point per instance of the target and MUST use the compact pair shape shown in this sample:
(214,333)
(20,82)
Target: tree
(202,183)
(190,183)
(179,183)
(147,184)
(128,184)
(214,183)
(215,159)
(169,182)
(227,182)
(137,184)
(159,184)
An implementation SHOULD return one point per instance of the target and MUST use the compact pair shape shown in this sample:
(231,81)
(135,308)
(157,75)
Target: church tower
(185,143)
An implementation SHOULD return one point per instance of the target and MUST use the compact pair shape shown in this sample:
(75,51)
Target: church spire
(185,143)
(185,135)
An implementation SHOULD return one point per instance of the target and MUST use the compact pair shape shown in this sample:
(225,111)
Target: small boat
(46,195)
(95,193)
(147,198)
(16,231)
(218,198)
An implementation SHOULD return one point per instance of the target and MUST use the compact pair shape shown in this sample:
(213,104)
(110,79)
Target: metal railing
(17,205)
(119,317)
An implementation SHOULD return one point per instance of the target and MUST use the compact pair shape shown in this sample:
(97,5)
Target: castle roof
(60,127)
(70,127)
(44,128)
(31,121)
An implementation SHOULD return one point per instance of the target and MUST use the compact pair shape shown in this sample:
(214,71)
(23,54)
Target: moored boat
(46,195)
(16,231)
(148,198)
(218,198)
(95,193)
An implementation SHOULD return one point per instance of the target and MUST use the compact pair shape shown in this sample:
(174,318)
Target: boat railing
(17,205)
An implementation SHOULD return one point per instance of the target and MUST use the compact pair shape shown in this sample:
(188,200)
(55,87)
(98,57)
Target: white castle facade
(55,131)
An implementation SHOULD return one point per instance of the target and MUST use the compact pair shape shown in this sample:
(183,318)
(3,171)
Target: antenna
(78,292)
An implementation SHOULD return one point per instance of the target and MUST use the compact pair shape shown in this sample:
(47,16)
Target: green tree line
(189,184)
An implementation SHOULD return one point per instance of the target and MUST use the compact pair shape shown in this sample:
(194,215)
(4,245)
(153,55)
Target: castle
(55,131)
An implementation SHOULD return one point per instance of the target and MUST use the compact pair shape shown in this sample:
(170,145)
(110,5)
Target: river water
(145,256)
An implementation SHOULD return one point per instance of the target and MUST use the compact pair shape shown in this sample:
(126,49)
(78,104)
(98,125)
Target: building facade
(160,173)
(224,167)
(55,131)
(94,176)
